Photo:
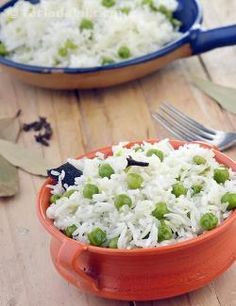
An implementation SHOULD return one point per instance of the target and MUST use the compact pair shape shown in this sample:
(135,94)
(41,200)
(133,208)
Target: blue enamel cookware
(194,41)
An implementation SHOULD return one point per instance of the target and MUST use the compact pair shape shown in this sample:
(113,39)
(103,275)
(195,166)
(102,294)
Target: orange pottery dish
(142,273)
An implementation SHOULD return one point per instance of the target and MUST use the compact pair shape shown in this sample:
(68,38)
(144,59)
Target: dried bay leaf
(225,96)
(9,182)
(9,128)
(24,158)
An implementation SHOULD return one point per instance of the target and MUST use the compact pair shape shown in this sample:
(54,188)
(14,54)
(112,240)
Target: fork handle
(203,41)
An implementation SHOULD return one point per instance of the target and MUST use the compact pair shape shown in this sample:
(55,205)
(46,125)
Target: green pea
(86,24)
(147,2)
(69,44)
(230,198)
(3,49)
(113,243)
(197,188)
(105,170)
(121,200)
(90,190)
(199,160)
(63,52)
(156,152)
(119,153)
(125,10)
(208,221)
(165,11)
(68,193)
(221,175)
(108,3)
(178,189)
(134,180)
(10,19)
(164,232)
(176,23)
(124,52)
(54,198)
(160,210)
(151,4)
(138,149)
(70,230)
(107,61)
(97,237)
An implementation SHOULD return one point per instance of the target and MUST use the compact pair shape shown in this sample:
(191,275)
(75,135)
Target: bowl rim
(56,233)
(135,61)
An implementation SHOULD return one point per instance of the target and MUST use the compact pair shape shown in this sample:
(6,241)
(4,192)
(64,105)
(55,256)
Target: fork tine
(187,119)
(189,130)
(177,129)
(171,128)
(184,124)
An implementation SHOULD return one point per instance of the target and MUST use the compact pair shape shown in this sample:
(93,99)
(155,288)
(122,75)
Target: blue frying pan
(193,41)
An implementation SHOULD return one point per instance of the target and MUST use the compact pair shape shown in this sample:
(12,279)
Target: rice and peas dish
(86,33)
(145,196)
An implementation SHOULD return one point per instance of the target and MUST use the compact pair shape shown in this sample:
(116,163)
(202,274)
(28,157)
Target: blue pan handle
(202,41)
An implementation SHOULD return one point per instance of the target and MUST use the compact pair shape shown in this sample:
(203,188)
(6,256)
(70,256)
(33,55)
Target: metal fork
(186,128)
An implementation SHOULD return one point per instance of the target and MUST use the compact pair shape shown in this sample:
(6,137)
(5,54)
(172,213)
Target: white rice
(132,225)
(34,34)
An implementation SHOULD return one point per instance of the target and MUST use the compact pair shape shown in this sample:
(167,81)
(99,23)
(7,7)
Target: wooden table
(86,120)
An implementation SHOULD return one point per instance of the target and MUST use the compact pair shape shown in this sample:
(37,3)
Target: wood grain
(84,121)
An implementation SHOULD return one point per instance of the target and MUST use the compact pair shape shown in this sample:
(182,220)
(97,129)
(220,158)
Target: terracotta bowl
(193,41)
(142,274)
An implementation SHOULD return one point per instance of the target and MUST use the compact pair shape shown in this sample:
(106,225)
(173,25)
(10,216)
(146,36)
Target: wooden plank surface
(86,120)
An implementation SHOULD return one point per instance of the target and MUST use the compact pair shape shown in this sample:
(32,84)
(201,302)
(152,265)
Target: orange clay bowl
(142,274)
